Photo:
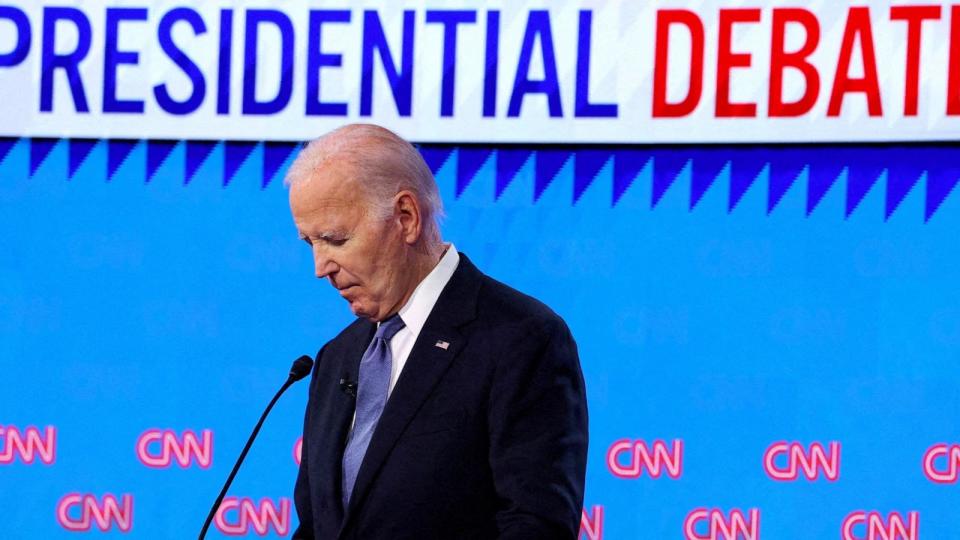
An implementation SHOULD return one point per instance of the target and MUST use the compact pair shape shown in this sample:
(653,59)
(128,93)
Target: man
(454,406)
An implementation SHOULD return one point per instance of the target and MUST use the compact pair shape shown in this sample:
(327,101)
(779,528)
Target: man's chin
(359,310)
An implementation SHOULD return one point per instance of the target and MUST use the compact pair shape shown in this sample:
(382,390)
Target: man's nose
(323,266)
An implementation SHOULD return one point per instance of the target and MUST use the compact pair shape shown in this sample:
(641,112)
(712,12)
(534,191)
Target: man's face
(360,253)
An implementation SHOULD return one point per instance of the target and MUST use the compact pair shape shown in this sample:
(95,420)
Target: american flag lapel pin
(442,344)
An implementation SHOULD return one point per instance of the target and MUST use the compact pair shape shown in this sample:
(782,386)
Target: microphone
(300,369)
(348,387)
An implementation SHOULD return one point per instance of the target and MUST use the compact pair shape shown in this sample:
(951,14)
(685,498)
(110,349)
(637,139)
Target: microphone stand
(301,367)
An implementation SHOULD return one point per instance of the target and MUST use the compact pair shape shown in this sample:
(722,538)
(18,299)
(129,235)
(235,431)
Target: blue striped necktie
(372,386)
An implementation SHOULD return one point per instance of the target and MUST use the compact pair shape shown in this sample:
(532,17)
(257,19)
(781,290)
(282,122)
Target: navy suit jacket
(483,438)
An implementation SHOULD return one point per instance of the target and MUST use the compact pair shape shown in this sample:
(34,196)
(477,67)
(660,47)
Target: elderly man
(454,406)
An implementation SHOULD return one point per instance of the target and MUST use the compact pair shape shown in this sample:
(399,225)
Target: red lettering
(718,526)
(949,473)
(172,448)
(260,517)
(914,16)
(28,445)
(105,514)
(877,528)
(727,60)
(591,526)
(666,18)
(811,462)
(781,59)
(858,29)
(655,459)
(953,83)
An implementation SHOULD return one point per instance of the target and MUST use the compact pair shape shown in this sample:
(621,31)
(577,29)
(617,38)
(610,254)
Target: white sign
(460,71)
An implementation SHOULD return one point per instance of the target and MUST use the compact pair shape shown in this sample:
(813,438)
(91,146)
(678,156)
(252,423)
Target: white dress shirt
(415,312)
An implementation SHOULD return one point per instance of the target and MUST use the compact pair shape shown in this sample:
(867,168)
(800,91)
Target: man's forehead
(327,212)
(334,203)
(330,199)
(325,191)
(330,181)
(326,216)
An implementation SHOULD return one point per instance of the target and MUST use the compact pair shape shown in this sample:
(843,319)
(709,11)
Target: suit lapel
(424,367)
(341,406)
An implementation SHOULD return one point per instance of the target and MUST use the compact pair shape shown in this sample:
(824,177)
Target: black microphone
(300,369)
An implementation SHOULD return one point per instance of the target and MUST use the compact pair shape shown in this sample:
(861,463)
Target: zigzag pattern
(899,167)
(275,155)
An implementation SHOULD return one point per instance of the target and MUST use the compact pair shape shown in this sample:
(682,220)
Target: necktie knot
(389,327)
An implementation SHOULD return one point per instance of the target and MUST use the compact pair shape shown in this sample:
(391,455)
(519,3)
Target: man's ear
(409,217)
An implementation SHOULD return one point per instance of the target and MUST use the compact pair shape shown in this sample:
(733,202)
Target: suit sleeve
(538,438)
(301,491)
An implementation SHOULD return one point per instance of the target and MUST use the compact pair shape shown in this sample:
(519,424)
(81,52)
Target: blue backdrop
(724,297)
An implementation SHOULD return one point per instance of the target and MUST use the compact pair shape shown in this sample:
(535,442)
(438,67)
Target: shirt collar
(415,312)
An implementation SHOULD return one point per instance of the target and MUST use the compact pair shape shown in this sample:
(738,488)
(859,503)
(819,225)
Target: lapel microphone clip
(348,387)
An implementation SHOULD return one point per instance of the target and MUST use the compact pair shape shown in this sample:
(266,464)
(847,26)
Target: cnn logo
(78,512)
(714,524)
(28,445)
(160,448)
(628,459)
(941,463)
(591,524)
(861,525)
(240,516)
(785,461)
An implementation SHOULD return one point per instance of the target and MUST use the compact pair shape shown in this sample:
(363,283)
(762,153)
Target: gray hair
(386,163)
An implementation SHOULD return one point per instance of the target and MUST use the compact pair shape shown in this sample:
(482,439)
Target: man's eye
(334,241)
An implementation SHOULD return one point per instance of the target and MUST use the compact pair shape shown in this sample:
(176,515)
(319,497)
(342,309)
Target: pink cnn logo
(159,448)
(862,525)
(78,512)
(298,450)
(713,524)
(946,471)
(591,525)
(628,459)
(28,445)
(783,461)
(238,516)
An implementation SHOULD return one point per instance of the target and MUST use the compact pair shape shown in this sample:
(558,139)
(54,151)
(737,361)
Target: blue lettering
(256,17)
(449,20)
(492,58)
(316,59)
(164,33)
(401,82)
(225,63)
(113,57)
(538,26)
(20,50)
(583,107)
(69,62)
